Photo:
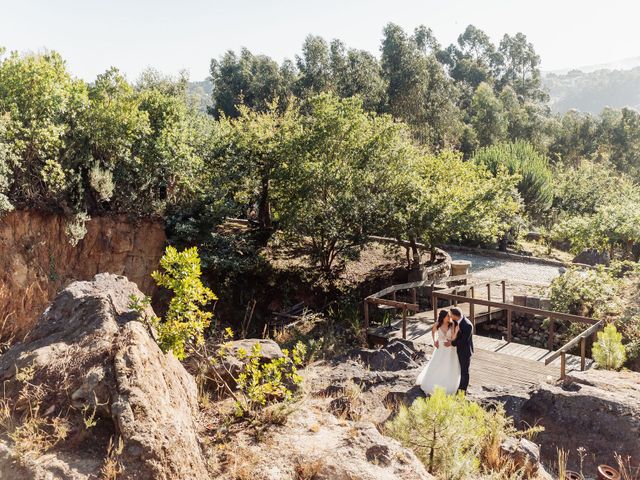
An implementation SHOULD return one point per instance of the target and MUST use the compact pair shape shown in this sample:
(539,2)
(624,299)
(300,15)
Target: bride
(443,370)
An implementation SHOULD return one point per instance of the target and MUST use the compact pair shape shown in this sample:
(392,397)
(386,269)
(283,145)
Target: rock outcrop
(37,260)
(89,357)
(316,444)
(592,257)
(597,410)
(396,355)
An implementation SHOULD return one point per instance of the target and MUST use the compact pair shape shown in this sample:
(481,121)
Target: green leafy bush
(614,226)
(261,384)
(583,292)
(608,350)
(7,158)
(185,321)
(453,436)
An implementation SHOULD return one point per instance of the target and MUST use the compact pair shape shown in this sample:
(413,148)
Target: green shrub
(520,157)
(270,382)
(77,228)
(453,436)
(583,292)
(608,350)
(185,322)
(259,384)
(7,158)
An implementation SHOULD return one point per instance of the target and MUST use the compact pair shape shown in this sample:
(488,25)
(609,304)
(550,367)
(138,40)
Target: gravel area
(497,268)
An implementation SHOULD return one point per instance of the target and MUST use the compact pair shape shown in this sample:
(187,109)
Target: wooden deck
(496,362)
(491,369)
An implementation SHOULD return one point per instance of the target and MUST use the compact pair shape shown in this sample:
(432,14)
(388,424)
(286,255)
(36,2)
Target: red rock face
(37,260)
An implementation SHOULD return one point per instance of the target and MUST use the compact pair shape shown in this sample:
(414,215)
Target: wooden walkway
(419,330)
(496,362)
(491,369)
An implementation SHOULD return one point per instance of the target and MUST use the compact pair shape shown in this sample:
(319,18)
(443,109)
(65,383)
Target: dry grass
(112,466)
(241,463)
(500,467)
(626,469)
(353,391)
(36,435)
(308,469)
(32,432)
(562,464)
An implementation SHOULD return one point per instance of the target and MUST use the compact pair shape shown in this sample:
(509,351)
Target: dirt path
(497,267)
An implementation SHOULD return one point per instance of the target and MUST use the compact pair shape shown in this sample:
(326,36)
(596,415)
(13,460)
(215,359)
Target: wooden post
(414,296)
(366,315)
(583,353)
(551,329)
(404,322)
(472,308)
(504,291)
(509,314)
(563,366)
(434,304)
(489,298)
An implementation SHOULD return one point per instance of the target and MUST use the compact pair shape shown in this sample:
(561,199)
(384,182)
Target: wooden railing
(582,340)
(454,297)
(378,299)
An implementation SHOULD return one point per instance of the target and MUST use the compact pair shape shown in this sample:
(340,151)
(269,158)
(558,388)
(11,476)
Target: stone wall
(37,260)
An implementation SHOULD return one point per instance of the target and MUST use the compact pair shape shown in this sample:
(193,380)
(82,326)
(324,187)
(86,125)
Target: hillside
(593,91)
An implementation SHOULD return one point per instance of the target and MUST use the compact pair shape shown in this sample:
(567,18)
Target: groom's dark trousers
(464,347)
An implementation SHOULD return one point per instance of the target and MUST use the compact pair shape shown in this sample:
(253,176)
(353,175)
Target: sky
(93,35)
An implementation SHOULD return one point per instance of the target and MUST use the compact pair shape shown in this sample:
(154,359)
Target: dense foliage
(535,184)
(105,147)
(314,146)
(426,142)
(583,292)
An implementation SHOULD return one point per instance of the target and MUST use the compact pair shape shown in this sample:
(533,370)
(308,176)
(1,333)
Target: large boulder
(525,456)
(597,410)
(592,257)
(317,444)
(232,363)
(89,356)
(395,356)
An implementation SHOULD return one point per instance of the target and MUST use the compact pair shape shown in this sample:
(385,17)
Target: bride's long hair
(441,316)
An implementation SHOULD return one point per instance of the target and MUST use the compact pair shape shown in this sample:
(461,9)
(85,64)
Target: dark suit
(464,347)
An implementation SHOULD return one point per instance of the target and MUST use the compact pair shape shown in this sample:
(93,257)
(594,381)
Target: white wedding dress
(443,370)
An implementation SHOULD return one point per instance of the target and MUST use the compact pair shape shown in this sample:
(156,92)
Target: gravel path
(495,267)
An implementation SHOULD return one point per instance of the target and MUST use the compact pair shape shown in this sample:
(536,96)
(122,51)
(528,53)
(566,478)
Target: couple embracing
(449,365)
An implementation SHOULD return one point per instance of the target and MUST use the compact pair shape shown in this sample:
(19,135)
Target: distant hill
(586,90)
(591,91)
(624,64)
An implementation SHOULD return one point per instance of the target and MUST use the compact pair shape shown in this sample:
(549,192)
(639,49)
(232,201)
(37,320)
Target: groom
(464,345)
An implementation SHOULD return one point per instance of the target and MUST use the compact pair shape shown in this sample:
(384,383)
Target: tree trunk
(504,242)
(416,252)
(264,205)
